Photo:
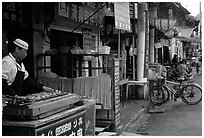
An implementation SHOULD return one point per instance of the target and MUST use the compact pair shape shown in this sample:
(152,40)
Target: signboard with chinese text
(73,12)
(122,16)
(70,126)
(63,9)
(133,10)
(116,93)
(9,11)
(78,12)
(86,38)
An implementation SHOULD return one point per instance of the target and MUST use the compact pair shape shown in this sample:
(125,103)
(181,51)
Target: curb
(133,119)
(130,122)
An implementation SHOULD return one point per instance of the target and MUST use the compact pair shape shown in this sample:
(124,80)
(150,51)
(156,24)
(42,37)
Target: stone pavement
(137,123)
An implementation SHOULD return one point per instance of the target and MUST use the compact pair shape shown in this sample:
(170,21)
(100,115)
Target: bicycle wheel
(166,93)
(191,94)
(158,95)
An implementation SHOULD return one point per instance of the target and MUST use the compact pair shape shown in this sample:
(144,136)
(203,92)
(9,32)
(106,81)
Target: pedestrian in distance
(183,71)
(198,67)
(172,72)
(174,61)
(189,67)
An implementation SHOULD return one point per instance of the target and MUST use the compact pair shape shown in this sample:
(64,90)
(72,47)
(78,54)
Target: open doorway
(63,42)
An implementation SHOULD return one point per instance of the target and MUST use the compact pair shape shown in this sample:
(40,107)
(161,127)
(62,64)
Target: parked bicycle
(189,91)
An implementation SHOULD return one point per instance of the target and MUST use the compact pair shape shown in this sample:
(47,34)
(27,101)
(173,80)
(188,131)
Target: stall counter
(70,122)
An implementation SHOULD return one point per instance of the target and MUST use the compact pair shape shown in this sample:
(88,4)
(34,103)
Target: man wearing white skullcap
(21,43)
(15,78)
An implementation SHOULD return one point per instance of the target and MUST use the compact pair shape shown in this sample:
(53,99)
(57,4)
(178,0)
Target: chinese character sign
(86,38)
(63,9)
(9,11)
(122,16)
(73,126)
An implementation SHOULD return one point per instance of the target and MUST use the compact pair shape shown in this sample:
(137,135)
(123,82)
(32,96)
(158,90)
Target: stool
(140,83)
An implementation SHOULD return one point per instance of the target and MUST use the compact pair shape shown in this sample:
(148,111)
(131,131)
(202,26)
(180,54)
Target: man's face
(21,53)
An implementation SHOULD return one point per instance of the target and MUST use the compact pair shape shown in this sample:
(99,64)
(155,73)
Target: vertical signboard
(116,77)
(133,10)
(73,11)
(86,38)
(122,16)
(63,9)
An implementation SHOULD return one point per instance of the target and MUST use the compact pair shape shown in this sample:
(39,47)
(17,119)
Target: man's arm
(31,86)
(6,89)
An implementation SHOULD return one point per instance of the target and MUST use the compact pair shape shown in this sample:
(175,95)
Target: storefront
(57,28)
(46,30)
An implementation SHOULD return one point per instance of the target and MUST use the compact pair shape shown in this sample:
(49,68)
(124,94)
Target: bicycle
(187,90)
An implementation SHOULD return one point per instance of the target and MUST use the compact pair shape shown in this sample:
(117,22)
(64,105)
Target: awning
(158,45)
(185,39)
(163,24)
(184,31)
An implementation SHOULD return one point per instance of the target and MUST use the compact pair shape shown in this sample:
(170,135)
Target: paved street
(179,119)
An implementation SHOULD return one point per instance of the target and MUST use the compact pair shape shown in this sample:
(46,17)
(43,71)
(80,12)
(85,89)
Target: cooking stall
(56,114)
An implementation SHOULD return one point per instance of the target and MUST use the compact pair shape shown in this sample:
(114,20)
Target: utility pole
(146,66)
(200,27)
(141,40)
(153,15)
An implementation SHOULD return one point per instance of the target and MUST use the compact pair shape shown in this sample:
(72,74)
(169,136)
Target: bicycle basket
(161,81)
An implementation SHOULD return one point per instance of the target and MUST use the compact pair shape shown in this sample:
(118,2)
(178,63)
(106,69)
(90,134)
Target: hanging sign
(122,16)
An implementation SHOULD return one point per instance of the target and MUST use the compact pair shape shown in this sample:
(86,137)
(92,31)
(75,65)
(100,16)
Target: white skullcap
(21,43)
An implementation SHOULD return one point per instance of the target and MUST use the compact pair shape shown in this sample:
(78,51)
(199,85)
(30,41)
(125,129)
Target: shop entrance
(63,42)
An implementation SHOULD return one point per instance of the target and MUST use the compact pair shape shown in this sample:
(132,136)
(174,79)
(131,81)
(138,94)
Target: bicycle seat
(183,79)
(180,79)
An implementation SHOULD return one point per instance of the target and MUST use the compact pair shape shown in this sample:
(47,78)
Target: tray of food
(32,98)
(39,105)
